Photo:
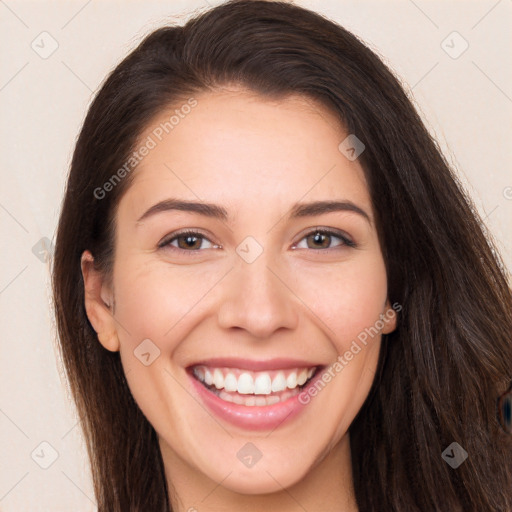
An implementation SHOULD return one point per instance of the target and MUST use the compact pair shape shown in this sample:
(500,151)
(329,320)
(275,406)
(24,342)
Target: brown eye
(188,241)
(321,239)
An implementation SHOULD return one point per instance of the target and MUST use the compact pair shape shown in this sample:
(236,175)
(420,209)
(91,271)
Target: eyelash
(337,234)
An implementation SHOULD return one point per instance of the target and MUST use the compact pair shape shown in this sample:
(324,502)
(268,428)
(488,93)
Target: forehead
(236,148)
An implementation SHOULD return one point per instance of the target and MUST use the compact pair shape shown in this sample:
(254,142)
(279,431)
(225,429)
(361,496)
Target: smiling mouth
(254,388)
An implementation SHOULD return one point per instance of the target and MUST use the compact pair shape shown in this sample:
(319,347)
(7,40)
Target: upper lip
(254,365)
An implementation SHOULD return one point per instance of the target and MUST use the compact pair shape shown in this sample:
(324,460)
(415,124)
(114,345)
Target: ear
(389,317)
(99,303)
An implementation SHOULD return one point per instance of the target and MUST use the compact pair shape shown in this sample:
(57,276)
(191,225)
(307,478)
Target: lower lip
(268,417)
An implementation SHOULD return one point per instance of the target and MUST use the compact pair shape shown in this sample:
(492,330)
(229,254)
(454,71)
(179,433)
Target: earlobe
(98,301)
(109,340)
(389,317)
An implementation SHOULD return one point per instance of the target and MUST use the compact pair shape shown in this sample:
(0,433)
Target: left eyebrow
(321,207)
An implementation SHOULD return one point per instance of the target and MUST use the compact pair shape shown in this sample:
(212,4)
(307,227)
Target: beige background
(466,102)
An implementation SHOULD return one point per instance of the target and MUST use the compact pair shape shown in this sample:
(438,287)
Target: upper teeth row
(258,383)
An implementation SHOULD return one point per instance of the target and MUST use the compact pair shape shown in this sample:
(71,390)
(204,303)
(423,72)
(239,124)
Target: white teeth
(218,379)
(230,382)
(303,377)
(255,400)
(262,384)
(237,399)
(291,381)
(252,383)
(271,400)
(227,397)
(279,383)
(245,384)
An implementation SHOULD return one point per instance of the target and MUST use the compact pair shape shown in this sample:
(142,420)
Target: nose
(258,299)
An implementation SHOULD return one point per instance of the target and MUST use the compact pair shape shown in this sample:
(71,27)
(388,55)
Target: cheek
(348,299)
(152,300)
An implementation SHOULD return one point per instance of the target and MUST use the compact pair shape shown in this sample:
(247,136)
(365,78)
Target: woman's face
(254,299)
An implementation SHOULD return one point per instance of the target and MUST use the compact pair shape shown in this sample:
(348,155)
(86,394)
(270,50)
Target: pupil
(318,237)
(189,240)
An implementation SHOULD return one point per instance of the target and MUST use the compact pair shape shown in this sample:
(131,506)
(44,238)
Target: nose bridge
(256,298)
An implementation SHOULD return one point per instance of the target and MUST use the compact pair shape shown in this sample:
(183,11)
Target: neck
(328,483)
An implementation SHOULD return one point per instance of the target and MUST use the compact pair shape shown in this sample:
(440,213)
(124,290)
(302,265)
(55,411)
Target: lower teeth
(256,400)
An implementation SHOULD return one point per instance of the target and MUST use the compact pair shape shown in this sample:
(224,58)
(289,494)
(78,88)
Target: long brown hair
(440,372)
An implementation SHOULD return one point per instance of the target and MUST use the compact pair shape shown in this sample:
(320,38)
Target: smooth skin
(303,297)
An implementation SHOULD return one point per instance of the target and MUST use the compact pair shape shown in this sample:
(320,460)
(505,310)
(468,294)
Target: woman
(271,292)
